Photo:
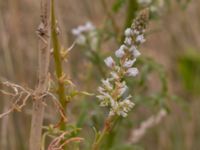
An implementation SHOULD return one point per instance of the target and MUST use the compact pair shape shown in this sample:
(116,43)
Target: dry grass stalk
(44,54)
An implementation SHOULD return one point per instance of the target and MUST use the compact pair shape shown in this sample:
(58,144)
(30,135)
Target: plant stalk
(44,56)
(110,121)
(58,62)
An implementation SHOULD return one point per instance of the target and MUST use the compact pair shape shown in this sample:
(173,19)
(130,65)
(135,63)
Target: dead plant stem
(44,54)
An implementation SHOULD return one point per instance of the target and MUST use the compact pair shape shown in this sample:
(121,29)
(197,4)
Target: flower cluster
(113,92)
(86,34)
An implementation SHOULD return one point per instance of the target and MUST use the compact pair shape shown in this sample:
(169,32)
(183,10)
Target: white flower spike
(113,93)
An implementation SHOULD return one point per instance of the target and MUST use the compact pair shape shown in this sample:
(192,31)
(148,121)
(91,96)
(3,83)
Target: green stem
(97,142)
(58,62)
(109,123)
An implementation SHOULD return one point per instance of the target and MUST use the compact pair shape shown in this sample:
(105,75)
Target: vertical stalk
(108,125)
(44,54)
(97,143)
(58,62)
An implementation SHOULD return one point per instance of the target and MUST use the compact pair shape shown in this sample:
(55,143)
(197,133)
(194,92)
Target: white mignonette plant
(113,92)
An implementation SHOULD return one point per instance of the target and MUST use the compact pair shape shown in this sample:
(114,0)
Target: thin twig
(17,97)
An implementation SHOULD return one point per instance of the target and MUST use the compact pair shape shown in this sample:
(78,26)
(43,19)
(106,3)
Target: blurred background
(169,70)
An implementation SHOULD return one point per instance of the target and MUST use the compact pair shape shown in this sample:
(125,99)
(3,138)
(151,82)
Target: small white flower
(136,53)
(140,39)
(111,113)
(104,95)
(128,32)
(128,41)
(124,47)
(132,48)
(129,63)
(136,32)
(114,104)
(132,72)
(120,52)
(122,108)
(107,84)
(89,26)
(84,32)
(81,39)
(109,62)
(122,113)
(81,28)
(101,90)
(76,32)
(101,97)
(122,89)
(114,75)
(128,103)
